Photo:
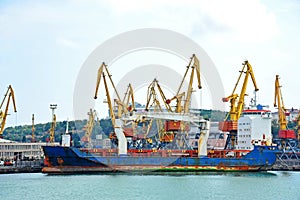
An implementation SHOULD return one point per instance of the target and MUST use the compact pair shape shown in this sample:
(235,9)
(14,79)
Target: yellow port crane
(53,124)
(3,114)
(129,95)
(32,129)
(90,125)
(103,72)
(154,103)
(236,108)
(278,102)
(151,93)
(194,65)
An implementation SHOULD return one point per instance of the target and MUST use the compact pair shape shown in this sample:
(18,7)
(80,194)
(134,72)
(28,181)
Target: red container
(172,125)
(227,126)
(167,138)
(128,132)
(287,134)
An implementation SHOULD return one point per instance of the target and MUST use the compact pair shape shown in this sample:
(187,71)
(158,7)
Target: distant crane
(3,114)
(236,108)
(89,126)
(278,102)
(298,128)
(53,124)
(32,129)
(287,138)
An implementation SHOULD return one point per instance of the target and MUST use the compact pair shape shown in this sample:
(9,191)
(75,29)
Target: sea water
(208,186)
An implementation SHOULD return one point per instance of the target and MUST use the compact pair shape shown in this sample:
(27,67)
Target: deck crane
(129,95)
(152,94)
(194,65)
(32,129)
(115,119)
(3,114)
(103,72)
(283,133)
(236,108)
(121,105)
(153,101)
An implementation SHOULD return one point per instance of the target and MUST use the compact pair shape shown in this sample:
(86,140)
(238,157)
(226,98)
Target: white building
(291,114)
(254,127)
(10,150)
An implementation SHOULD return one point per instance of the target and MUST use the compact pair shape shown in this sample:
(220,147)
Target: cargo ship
(166,138)
(66,159)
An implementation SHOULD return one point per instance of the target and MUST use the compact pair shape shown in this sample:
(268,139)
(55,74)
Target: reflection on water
(171,185)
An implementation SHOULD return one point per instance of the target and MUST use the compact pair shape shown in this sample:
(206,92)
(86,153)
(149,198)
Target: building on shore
(11,150)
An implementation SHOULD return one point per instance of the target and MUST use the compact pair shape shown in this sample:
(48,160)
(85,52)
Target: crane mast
(8,95)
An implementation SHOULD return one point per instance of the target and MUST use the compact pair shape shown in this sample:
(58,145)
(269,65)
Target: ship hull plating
(62,160)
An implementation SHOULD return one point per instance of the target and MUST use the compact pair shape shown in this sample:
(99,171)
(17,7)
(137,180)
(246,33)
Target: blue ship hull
(75,160)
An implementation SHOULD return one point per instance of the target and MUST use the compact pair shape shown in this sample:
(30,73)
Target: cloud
(229,30)
(247,21)
(67,42)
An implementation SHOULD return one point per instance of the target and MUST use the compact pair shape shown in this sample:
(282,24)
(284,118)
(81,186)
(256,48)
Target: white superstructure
(254,127)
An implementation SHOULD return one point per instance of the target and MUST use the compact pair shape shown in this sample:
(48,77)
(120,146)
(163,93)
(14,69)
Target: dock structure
(11,150)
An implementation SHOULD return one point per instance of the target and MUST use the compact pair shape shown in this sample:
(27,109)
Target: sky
(43,45)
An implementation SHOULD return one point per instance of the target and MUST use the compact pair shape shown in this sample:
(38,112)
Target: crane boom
(195,69)
(8,95)
(248,72)
(129,95)
(100,71)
